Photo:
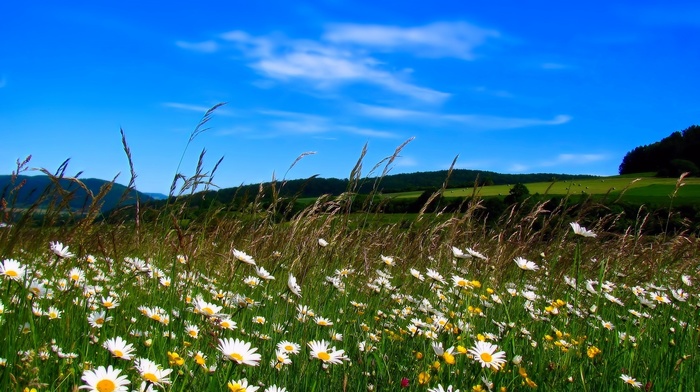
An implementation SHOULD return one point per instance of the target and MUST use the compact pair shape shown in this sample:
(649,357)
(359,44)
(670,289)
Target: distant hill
(156,196)
(34,186)
(419,181)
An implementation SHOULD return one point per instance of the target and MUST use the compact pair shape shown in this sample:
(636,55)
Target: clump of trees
(678,153)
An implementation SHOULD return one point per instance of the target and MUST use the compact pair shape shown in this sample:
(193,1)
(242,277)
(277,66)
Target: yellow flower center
(208,311)
(108,304)
(100,321)
(323,356)
(322,322)
(225,324)
(462,283)
(235,387)
(118,353)
(193,333)
(11,273)
(150,377)
(53,315)
(486,357)
(236,357)
(289,347)
(449,358)
(200,360)
(105,385)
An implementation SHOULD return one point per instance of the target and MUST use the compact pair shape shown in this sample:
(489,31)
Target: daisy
(526,265)
(53,313)
(416,274)
(109,302)
(200,359)
(459,254)
(152,372)
(206,308)
(97,319)
(12,269)
(320,350)
(239,352)
(582,231)
(105,380)
(323,321)
(275,388)
(259,320)
(476,254)
(263,274)
(388,260)
(460,282)
(440,388)
(119,348)
(485,353)
(435,275)
(281,359)
(227,323)
(293,286)
(659,297)
(631,381)
(288,347)
(192,331)
(687,280)
(322,242)
(244,257)
(252,281)
(76,275)
(241,386)
(61,251)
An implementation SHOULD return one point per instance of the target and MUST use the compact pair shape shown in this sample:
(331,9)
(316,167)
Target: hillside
(36,187)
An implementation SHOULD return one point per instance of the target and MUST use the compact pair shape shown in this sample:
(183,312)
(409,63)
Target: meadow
(330,301)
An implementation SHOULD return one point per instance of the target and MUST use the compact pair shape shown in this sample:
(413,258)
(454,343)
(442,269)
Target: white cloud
(440,39)
(197,108)
(575,159)
(474,121)
(204,47)
(302,123)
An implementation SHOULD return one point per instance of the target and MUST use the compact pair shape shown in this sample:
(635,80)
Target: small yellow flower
(436,365)
(477,388)
(592,352)
(175,359)
(449,358)
(419,355)
(423,378)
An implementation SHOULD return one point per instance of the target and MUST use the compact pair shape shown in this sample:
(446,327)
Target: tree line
(678,153)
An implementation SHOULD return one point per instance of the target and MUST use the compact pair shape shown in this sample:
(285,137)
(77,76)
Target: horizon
(508,87)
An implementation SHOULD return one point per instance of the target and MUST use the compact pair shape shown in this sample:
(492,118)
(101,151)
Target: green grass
(646,189)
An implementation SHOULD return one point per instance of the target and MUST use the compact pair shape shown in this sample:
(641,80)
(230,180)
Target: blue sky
(509,86)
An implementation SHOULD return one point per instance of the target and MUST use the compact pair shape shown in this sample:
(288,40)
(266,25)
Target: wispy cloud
(323,66)
(286,123)
(196,108)
(472,121)
(564,159)
(440,39)
(342,55)
(204,47)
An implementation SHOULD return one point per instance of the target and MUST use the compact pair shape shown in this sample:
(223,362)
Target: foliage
(678,151)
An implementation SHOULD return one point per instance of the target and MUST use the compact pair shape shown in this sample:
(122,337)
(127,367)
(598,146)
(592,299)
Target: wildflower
(661,298)
(459,254)
(61,251)
(152,372)
(580,230)
(432,274)
(423,378)
(259,320)
(288,347)
(97,319)
(76,275)
(200,359)
(12,269)
(687,280)
(416,274)
(338,337)
(440,388)
(192,330)
(252,281)
(119,348)
(206,308)
(320,350)
(526,265)
(165,282)
(323,321)
(680,295)
(322,242)
(239,351)
(592,352)
(53,313)
(388,260)
(105,380)
(174,359)
(485,353)
(263,274)
(631,381)
(275,388)
(476,254)
(109,302)
(227,323)
(460,282)
(293,286)
(281,359)
(181,259)
(241,386)
(244,257)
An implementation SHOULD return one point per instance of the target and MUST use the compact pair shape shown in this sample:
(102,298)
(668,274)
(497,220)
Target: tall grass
(404,307)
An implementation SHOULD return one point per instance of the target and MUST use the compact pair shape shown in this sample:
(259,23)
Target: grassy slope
(650,189)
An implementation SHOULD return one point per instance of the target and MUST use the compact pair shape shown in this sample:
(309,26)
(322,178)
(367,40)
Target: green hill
(34,188)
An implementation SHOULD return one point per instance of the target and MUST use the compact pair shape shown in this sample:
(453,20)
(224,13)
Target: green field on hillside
(646,189)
